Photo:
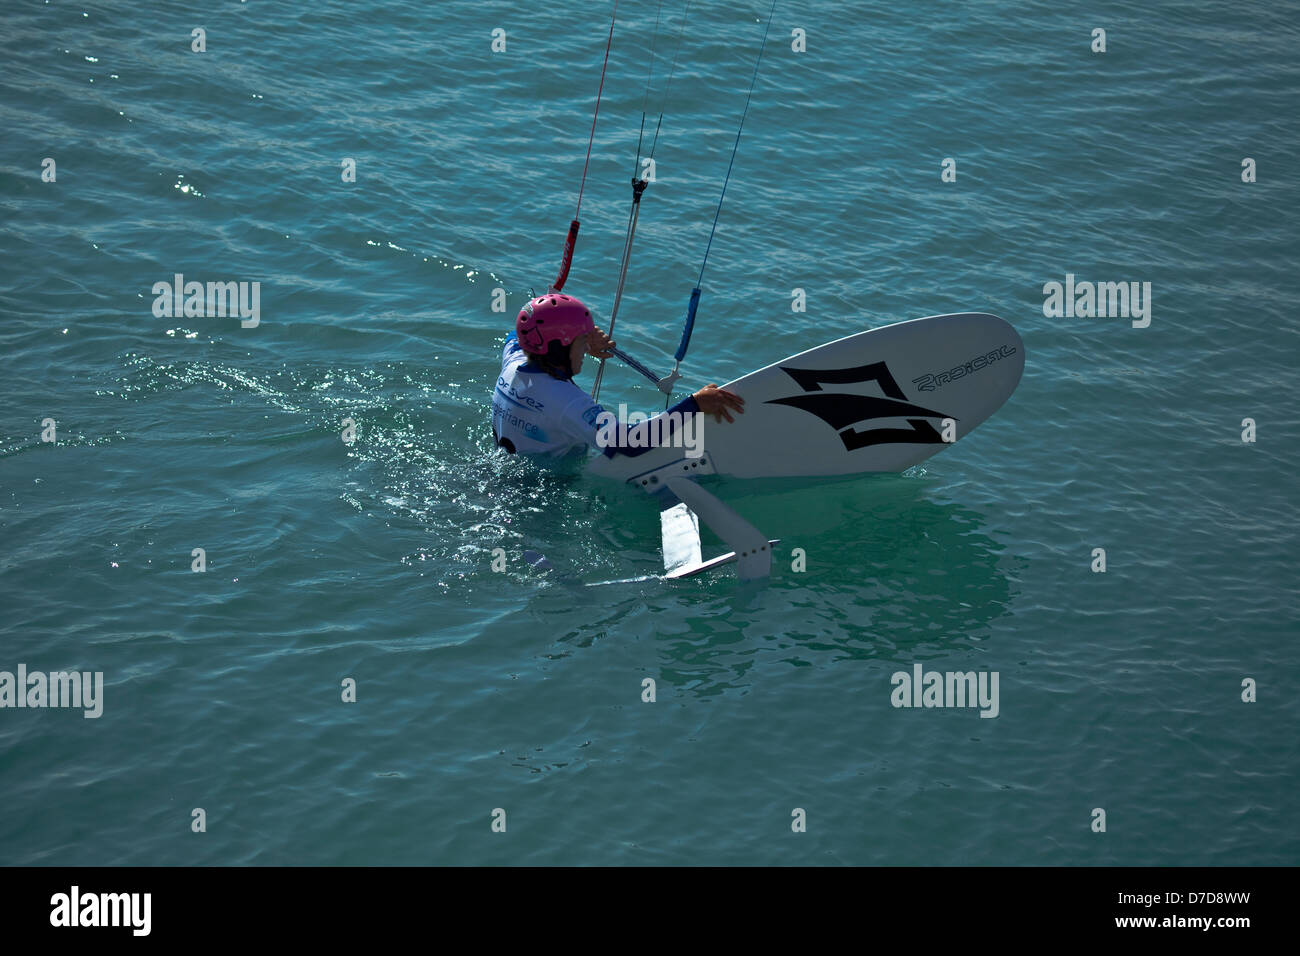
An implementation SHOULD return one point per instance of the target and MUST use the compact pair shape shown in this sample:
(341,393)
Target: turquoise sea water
(479,690)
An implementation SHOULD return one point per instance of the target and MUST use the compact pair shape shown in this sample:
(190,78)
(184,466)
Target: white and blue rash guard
(534,413)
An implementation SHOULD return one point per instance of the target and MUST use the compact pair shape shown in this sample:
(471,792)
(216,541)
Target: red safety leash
(572,237)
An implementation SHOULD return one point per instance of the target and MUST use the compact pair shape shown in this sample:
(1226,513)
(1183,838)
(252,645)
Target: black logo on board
(841,410)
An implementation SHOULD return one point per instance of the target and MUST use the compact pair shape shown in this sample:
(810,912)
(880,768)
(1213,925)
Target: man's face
(576,351)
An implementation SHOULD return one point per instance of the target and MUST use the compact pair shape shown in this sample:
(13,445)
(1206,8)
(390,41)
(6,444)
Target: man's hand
(719,403)
(600,345)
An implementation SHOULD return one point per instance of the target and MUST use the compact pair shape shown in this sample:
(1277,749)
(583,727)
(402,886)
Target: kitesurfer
(537,409)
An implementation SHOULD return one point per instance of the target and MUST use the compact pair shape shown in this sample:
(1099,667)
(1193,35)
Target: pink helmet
(553,317)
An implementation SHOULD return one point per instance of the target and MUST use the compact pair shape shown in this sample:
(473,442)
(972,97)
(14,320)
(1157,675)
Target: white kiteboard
(874,401)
